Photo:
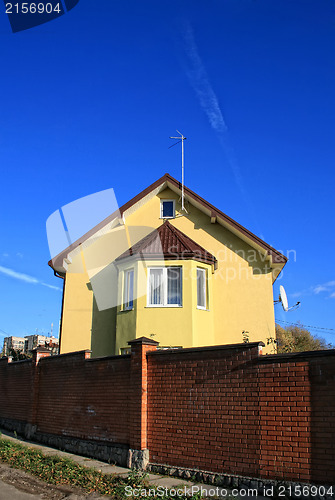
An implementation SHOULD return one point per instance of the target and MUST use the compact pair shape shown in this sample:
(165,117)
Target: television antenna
(284,302)
(181,139)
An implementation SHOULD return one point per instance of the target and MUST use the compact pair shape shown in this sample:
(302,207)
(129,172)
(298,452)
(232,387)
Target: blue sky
(89,100)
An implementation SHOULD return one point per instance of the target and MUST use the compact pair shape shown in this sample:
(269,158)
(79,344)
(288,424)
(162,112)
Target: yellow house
(186,278)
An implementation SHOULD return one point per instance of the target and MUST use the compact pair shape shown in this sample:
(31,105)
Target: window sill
(160,306)
(202,309)
(125,310)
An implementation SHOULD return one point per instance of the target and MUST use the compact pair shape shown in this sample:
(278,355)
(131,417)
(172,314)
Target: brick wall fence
(223,409)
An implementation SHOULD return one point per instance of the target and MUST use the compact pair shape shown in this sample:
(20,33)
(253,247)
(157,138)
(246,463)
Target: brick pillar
(39,353)
(138,455)
(31,427)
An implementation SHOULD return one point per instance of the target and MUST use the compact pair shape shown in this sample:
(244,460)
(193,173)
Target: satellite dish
(284,302)
(283,298)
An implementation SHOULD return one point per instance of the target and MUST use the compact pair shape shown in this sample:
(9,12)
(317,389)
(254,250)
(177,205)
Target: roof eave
(166,257)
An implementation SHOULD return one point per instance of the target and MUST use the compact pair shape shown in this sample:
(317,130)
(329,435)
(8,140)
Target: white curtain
(128,293)
(156,286)
(174,285)
(201,288)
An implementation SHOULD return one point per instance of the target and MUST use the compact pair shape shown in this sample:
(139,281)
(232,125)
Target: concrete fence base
(111,453)
(248,486)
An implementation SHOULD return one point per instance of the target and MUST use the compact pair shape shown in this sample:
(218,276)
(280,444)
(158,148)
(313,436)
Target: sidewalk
(154,480)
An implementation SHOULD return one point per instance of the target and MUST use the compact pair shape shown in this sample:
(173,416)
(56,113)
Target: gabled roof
(277,260)
(168,243)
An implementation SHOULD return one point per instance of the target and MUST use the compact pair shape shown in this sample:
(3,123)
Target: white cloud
(328,287)
(319,288)
(296,294)
(24,277)
(324,287)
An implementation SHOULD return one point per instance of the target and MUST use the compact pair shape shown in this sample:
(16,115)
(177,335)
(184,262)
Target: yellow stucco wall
(240,290)
(77,313)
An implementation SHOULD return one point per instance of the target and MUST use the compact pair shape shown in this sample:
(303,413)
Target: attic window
(167,209)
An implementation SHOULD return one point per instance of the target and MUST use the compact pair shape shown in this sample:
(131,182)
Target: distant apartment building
(16,343)
(34,341)
(30,342)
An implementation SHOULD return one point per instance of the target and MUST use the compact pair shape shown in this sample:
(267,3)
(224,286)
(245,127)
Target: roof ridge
(147,240)
(150,238)
(176,232)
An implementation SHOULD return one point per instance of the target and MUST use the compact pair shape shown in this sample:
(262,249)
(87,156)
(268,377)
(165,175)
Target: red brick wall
(203,410)
(223,409)
(227,411)
(285,423)
(73,397)
(84,398)
(322,434)
(16,384)
(297,411)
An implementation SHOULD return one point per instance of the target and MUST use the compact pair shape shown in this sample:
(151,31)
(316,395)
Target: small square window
(167,209)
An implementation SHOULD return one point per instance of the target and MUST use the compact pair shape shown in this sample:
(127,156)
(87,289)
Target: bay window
(165,286)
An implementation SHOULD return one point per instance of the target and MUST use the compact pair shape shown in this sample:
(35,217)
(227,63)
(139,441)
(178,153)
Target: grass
(62,471)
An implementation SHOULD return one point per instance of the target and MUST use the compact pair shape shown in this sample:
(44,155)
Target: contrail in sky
(198,78)
(25,277)
(199,81)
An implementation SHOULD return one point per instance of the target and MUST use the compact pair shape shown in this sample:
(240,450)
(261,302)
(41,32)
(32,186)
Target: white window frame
(126,290)
(165,286)
(174,209)
(205,288)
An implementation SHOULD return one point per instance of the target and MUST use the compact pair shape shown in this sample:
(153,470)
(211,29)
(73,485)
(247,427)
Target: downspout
(61,314)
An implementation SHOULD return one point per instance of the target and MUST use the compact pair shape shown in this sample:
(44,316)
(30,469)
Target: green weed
(59,471)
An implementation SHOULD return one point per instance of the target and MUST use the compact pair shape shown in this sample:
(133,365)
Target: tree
(19,355)
(297,339)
